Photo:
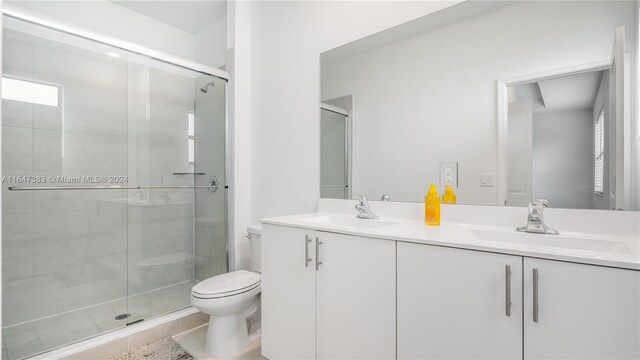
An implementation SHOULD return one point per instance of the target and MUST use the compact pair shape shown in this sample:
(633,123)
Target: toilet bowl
(229,299)
(226,298)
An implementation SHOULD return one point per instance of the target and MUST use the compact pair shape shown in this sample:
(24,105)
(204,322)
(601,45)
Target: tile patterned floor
(30,338)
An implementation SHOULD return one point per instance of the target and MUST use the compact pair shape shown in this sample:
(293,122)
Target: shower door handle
(213,184)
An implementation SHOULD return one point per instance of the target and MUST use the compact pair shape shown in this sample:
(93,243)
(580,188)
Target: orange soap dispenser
(432,206)
(449,197)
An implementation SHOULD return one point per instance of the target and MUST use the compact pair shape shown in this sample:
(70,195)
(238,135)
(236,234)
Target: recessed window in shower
(191,136)
(29,92)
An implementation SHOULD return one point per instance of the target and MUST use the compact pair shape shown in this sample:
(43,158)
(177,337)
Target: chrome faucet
(364,210)
(385,197)
(535,221)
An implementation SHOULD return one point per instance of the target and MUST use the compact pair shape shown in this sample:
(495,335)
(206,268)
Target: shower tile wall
(65,250)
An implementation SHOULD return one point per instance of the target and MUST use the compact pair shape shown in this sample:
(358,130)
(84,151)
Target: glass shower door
(177,221)
(80,260)
(211,231)
(64,250)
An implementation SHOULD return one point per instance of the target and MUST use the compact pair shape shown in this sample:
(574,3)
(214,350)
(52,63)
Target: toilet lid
(225,283)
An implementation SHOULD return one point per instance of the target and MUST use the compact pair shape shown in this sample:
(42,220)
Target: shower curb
(122,340)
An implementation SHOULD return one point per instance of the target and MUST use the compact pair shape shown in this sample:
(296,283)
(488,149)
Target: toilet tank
(255,233)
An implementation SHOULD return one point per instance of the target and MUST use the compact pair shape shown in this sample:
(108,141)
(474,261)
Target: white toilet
(229,299)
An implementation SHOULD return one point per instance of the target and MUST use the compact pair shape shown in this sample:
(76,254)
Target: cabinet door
(584,312)
(356,298)
(452,304)
(288,293)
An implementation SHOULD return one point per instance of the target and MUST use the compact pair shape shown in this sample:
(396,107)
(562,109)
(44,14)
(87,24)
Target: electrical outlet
(449,174)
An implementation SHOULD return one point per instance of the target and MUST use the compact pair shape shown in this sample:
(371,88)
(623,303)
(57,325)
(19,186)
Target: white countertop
(615,250)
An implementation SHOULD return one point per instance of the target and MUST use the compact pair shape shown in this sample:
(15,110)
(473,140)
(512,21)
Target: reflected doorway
(334,152)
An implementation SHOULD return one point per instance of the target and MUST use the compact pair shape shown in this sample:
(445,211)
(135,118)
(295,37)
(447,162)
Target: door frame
(503,108)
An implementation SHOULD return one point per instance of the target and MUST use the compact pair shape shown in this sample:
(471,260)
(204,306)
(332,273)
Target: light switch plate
(449,174)
(487,179)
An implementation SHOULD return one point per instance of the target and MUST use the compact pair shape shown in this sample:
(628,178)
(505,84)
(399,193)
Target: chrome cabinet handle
(507,274)
(535,295)
(318,262)
(307,240)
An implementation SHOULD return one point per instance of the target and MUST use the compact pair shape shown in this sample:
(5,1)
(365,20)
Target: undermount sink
(558,241)
(349,222)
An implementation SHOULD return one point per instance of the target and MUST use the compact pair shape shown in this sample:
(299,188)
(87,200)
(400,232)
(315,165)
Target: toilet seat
(229,284)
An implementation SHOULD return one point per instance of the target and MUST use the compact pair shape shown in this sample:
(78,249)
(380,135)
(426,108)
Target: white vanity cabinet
(458,304)
(288,293)
(583,311)
(327,295)
(452,305)
(335,296)
(355,298)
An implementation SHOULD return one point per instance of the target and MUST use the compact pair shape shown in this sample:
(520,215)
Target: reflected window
(599,154)
(191,133)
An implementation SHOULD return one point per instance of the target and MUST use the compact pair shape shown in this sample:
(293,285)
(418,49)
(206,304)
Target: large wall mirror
(505,101)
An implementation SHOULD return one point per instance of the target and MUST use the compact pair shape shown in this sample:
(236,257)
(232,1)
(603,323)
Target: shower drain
(122,316)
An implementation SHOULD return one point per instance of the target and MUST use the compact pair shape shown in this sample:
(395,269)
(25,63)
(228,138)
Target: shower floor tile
(37,336)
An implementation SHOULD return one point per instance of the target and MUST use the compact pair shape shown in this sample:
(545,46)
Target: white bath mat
(161,349)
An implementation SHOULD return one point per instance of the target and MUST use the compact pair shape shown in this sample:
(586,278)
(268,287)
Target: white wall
(287,39)
(239,112)
(635,159)
(433,96)
(210,44)
(562,158)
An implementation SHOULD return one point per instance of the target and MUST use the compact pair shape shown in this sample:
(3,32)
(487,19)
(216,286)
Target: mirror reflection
(506,102)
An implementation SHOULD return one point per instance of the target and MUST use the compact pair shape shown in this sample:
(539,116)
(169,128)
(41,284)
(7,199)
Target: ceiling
(572,92)
(190,16)
(343,102)
(448,15)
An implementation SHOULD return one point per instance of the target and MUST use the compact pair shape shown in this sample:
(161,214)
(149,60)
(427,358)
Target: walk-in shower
(114,196)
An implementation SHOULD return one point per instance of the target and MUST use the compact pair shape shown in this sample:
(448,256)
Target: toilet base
(226,335)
